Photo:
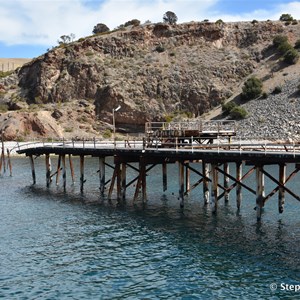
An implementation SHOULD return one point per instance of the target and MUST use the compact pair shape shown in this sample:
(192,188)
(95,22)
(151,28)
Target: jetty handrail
(286,147)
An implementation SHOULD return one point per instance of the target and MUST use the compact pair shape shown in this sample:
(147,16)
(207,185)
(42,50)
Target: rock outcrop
(150,70)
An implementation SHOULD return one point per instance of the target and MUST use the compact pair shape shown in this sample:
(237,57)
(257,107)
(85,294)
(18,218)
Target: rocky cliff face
(151,70)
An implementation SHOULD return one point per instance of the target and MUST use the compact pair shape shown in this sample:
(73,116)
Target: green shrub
(3,107)
(264,95)
(297,44)
(295,22)
(107,134)
(220,21)
(227,107)
(291,56)
(277,90)
(252,88)
(238,112)
(69,129)
(254,22)
(160,49)
(286,17)
(279,39)
(5,74)
(284,47)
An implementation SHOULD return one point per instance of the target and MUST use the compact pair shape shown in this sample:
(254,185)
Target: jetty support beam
(205,171)
(281,195)
(215,188)
(48,170)
(32,169)
(181,183)
(102,174)
(238,187)
(259,191)
(226,182)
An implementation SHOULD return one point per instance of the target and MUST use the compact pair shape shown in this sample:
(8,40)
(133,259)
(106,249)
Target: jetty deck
(204,148)
(210,162)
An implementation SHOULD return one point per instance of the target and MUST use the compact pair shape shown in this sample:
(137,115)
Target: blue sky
(29,27)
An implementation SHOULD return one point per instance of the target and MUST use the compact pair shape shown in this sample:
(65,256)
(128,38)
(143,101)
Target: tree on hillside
(252,88)
(170,17)
(64,39)
(134,22)
(286,18)
(100,28)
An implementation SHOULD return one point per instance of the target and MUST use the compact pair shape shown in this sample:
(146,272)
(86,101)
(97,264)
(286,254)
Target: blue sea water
(67,245)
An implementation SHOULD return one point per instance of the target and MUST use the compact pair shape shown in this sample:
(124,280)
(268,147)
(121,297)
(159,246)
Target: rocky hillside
(152,71)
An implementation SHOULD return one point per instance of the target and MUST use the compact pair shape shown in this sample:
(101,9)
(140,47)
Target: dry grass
(9,64)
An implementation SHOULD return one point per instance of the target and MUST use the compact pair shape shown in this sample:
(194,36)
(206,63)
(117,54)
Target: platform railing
(218,127)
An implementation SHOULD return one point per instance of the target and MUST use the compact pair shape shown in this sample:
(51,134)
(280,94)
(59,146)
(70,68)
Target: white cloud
(42,22)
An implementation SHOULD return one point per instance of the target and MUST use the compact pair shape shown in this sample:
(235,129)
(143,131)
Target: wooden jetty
(203,154)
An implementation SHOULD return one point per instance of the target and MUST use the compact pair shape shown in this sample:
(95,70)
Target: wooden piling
(112,183)
(71,169)
(123,181)
(63,158)
(259,191)
(3,153)
(32,169)
(281,195)
(238,186)
(81,173)
(144,181)
(58,169)
(118,175)
(9,162)
(215,188)
(226,182)
(164,171)
(102,174)
(181,183)
(187,179)
(1,163)
(141,182)
(205,171)
(48,170)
